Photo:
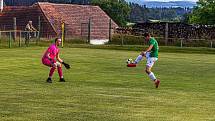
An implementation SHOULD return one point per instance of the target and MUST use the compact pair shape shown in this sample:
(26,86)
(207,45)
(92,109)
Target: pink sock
(60,72)
(51,72)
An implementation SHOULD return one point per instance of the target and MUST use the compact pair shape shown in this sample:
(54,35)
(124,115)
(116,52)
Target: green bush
(193,43)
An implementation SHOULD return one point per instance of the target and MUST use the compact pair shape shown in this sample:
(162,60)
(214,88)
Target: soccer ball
(129,61)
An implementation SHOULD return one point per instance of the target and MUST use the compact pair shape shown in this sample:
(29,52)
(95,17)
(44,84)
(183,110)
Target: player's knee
(58,64)
(54,65)
(148,71)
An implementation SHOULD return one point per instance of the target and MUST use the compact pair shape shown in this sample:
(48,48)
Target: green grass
(169,49)
(100,87)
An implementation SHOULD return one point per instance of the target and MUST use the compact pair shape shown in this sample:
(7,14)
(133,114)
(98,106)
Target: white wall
(1,5)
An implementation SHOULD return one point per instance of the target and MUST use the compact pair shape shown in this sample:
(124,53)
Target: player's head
(58,41)
(30,22)
(147,36)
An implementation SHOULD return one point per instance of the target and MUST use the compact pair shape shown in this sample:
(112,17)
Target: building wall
(23,14)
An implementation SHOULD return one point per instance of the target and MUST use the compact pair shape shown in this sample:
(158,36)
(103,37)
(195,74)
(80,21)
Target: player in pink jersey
(48,59)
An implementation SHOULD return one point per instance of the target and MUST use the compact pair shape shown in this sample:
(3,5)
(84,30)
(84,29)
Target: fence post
(89,30)
(20,35)
(110,32)
(122,37)
(14,28)
(63,33)
(38,32)
(28,39)
(166,33)
(211,44)
(10,40)
(0,36)
(181,43)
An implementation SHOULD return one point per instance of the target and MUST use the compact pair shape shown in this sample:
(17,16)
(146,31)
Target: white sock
(152,76)
(138,59)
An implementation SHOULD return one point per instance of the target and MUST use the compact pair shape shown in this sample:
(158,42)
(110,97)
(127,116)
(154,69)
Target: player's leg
(141,56)
(52,70)
(60,72)
(53,66)
(138,59)
(47,62)
(149,65)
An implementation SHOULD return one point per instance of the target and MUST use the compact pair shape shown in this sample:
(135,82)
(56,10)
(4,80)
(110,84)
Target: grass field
(100,87)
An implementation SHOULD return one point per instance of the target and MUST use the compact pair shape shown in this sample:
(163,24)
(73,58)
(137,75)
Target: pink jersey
(53,50)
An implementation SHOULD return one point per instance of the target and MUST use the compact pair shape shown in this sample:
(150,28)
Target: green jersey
(155,48)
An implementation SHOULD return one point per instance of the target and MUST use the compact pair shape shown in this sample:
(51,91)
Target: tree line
(141,13)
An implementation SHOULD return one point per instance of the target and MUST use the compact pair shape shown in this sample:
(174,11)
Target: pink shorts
(47,62)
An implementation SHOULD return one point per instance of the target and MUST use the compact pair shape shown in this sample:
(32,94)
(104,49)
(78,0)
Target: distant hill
(30,2)
(154,4)
(149,4)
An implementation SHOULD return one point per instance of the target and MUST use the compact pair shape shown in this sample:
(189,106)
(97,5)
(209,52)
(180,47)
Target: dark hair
(56,39)
(146,34)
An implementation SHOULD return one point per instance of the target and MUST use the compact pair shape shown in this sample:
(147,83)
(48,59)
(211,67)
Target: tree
(141,13)
(118,10)
(203,13)
(138,13)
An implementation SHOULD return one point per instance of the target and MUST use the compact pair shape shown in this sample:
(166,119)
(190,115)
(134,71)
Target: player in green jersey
(151,54)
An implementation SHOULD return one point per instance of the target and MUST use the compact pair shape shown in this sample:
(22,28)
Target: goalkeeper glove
(67,66)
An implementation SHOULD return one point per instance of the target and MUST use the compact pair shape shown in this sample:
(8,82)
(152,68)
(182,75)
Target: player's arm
(34,29)
(67,66)
(48,56)
(27,27)
(147,50)
(59,59)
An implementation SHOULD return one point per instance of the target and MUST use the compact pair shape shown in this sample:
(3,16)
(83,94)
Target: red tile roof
(76,16)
